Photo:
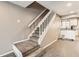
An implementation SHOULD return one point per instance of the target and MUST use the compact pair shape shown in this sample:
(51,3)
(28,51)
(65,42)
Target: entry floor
(63,48)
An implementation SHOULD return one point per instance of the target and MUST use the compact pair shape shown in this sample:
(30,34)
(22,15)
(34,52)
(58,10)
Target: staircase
(40,27)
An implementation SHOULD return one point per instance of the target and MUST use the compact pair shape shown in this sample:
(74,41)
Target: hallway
(31,29)
(64,48)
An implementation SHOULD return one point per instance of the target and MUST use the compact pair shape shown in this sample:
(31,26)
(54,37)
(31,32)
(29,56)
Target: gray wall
(10,30)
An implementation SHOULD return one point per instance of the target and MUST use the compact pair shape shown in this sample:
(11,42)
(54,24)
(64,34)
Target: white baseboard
(50,44)
(6,53)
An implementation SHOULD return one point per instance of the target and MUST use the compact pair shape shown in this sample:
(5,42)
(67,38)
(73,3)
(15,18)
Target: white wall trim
(49,44)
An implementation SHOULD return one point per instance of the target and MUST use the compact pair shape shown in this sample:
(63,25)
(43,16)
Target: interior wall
(53,32)
(13,24)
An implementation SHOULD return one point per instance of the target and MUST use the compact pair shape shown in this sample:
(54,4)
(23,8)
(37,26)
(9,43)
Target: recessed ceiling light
(69,4)
(18,21)
(72,11)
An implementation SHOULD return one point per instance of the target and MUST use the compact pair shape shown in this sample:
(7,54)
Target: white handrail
(44,19)
(40,37)
(36,18)
(45,31)
(39,23)
(34,28)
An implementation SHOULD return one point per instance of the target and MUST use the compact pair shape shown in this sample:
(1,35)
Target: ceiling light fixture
(18,21)
(72,11)
(69,4)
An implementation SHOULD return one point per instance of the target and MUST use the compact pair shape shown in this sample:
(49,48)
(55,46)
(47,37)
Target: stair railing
(42,28)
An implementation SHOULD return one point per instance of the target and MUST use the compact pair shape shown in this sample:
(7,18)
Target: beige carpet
(63,48)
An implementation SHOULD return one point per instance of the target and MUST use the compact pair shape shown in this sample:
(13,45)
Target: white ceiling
(59,7)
